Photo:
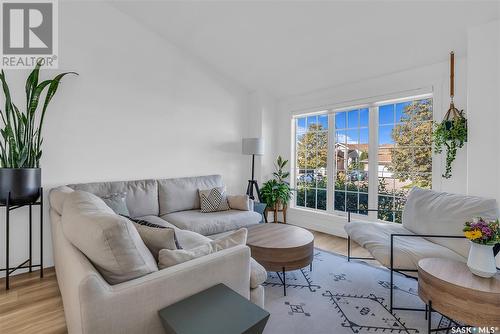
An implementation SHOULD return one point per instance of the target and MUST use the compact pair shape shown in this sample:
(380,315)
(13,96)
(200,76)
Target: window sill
(325,222)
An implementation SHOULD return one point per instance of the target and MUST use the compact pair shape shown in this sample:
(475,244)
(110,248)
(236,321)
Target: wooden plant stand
(275,211)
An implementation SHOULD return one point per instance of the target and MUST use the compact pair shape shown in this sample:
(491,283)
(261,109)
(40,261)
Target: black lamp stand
(253,183)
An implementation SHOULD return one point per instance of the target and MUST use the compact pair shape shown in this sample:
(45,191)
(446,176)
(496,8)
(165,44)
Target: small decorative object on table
(276,193)
(483,235)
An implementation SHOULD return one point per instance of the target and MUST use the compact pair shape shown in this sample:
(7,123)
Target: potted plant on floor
(21,139)
(276,193)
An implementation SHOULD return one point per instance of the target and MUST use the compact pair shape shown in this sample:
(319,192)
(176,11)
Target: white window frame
(373,125)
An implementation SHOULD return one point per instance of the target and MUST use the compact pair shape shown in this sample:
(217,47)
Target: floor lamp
(253,147)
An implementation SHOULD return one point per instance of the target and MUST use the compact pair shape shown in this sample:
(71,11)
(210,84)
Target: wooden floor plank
(34,305)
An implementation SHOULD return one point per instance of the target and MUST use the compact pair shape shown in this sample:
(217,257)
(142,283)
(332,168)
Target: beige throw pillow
(239,202)
(157,239)
(168,258)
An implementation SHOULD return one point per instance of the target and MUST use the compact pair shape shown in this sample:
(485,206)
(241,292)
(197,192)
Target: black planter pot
(22,183)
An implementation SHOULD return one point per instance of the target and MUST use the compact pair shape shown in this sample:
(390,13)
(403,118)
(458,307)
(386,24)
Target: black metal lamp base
(251,185)
(28,264)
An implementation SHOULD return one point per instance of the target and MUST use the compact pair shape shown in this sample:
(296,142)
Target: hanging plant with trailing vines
(451,133)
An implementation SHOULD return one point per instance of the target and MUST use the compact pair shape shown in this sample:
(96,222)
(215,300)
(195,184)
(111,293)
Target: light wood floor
(34,305)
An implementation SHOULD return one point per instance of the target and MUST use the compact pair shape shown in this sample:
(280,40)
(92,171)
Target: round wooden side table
(450,288)
(281,248)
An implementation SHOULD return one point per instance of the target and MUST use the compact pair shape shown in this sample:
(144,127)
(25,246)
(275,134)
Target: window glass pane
(422,134)
(300,149)
(351,183)
(352,137)
(339,201)
(423,110)
(301,125)
(352,201)
(363,117)
(340,120)
(353,119)
(341,137)
(402,111)
(311,198)
(386,114)
(340,160)
(363,203)
(385,207)
(351,159)
(300,178)
(323,122)
(311,160)
(309,179)
(385,134)
(363,183)
(404,154)
(364,138)
(321,182)
(312,122)
(300,198)
(340,180)
(321,202)
(322,150)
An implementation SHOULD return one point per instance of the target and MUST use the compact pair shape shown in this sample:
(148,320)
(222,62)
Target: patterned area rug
(343,297)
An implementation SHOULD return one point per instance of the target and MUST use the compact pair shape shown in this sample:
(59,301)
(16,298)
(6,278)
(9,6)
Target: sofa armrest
(393,235)
(132,307)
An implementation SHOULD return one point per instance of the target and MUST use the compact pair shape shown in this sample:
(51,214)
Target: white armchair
(432,227)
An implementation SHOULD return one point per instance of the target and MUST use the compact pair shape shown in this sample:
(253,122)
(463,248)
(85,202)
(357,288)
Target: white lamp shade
(252,146)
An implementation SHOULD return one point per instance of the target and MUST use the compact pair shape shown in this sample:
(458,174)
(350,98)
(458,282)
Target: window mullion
(330,163)
(373,161)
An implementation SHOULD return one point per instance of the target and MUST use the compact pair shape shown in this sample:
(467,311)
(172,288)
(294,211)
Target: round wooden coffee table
(281,247)
(450,288)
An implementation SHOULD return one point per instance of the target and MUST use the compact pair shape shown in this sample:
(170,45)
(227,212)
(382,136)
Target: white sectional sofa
(92,305)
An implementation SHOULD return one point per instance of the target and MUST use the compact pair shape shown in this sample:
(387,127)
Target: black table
(217,310)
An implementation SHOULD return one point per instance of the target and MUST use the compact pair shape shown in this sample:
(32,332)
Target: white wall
(483,103)
(141,108)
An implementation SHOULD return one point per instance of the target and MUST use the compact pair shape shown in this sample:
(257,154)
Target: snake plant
(21,134)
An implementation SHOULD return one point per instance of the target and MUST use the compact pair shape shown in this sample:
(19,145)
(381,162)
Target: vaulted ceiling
(288,48)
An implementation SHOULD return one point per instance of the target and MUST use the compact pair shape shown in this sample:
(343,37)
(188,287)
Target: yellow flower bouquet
(482,232)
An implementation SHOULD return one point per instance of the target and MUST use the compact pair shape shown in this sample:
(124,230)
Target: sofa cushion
(118,203)
(168,258)
(240,202)
(431,212)
(375,237)
(214,222)
(142,195)
(189,239)
(57,196)
(157,238)
(180,194)
(109,241)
